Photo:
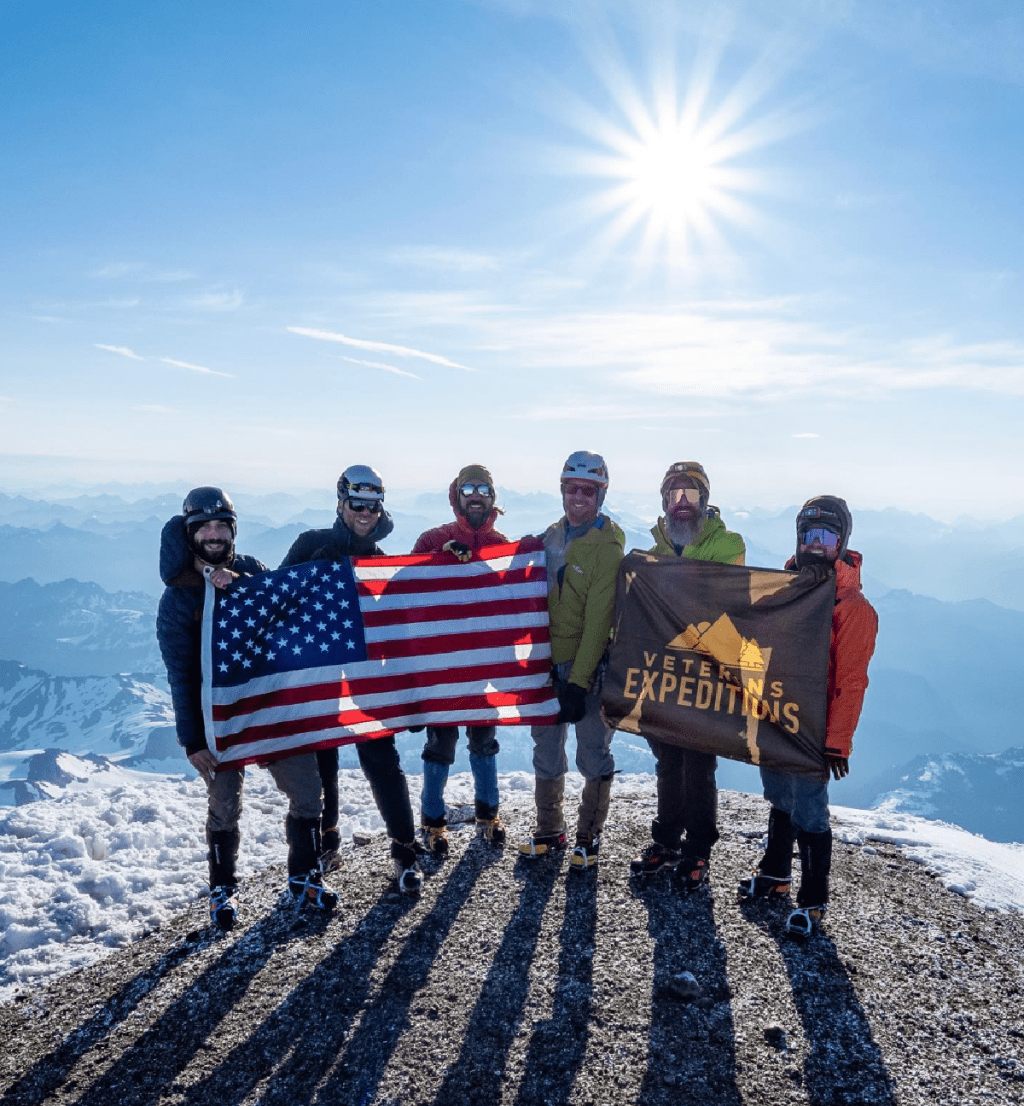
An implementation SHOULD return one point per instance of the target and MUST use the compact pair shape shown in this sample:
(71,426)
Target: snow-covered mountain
(72,628)
(980,792)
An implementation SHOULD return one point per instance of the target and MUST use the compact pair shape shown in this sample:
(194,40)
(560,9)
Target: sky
(122,852)
(250,246)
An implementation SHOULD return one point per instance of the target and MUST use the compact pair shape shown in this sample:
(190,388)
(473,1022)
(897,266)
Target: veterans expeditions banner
(722,659)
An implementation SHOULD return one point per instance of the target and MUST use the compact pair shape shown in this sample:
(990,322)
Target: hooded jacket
(854,628)
(338,541)
(433,541)
(715,543)
(581,594)
(178,628)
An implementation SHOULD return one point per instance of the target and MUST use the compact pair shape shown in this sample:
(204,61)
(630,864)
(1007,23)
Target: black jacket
(179,622)
(338,541)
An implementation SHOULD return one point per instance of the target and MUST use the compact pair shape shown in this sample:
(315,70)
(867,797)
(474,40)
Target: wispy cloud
(192,368)
(115,270)
(218,301)
(124,351)
(446,260)
(377,347)
(381,365)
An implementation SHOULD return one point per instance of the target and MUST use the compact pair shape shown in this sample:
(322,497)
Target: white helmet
(584,465)
(361,482)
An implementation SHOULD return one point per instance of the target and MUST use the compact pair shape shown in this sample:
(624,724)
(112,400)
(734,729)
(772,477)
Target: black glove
(571,702)
(459,550)
(838,765)
(417,729)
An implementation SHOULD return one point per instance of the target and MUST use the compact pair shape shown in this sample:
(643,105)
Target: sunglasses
(820,534)
(588,491)
(359,506)
(476,489)
(674,495)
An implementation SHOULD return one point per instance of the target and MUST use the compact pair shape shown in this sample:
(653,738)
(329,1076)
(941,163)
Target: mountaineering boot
(584,854)
(593,810)
(804,921)
(330,843)
(435,835)
(407,872)
(223,851)
(223,908)
(815,864)
(772,877)
(691,874)
(305,882)
(549,835)
(654,858)
(491,827)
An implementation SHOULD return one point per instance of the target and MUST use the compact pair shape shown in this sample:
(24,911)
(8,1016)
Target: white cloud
(377,347)
(218,301)
(447,260)
(381,365)
(124,351)
(116,269)
(192,368)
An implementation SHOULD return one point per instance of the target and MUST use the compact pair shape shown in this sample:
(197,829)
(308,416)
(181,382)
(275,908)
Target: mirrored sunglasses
(821,534)
(674,495)
(587,490)
(359,506)
(355,489)
(476,489)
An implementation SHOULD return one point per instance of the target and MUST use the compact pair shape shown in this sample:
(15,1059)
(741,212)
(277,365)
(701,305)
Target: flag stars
(296,649)
(347,624)
(236,656)
(263,612)
(236,633)
(250,622)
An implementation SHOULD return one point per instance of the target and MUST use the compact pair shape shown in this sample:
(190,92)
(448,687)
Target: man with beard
(471,495)
(360,524)
(195,546)
(799,803)
(687,790)
(582,551)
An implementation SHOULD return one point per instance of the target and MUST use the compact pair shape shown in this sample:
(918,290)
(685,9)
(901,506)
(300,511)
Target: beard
(214,553)
(683,530)
(476,514)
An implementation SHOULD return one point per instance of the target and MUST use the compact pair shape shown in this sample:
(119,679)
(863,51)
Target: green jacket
(581,596)
(714,544)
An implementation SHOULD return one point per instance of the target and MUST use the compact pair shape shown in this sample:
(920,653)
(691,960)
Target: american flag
(332,652)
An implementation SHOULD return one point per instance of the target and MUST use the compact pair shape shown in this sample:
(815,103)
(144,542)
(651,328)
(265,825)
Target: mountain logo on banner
(721,640)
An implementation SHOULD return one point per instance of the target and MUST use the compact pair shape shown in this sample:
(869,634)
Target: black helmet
(361,482)
(206,504)
(829,511)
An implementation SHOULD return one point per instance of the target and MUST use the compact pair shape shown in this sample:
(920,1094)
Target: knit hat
(474,474)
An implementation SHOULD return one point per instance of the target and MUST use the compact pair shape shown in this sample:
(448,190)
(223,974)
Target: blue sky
(250,245)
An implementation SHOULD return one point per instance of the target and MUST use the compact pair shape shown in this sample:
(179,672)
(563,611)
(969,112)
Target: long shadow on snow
(143,1074)
(691,1054)
(557,1045)
(50,1072)
(844,1064)
(476,1076)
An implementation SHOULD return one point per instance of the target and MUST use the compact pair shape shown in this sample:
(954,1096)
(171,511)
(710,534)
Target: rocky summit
(512,982)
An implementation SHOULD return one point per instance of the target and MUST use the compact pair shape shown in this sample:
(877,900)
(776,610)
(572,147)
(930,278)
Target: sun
(677,179)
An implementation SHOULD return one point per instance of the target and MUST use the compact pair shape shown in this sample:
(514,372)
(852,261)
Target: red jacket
(432,541)
(854,626)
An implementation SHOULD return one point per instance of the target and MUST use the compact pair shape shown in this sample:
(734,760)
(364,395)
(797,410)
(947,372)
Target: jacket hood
(349,540)
(175,555)
(453,499)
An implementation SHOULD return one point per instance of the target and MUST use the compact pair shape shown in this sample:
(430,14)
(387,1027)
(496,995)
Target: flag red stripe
(529,575)
(478,609)
(375,685)
(449,643)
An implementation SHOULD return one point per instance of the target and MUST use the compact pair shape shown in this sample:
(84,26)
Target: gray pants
(593,746)
(296,777)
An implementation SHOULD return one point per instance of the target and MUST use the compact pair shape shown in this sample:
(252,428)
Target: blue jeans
(803,798)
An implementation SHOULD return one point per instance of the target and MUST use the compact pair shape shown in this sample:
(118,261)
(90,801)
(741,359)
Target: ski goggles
(360,506)
(821,534)
(584,488)
(484,490)
(675,495)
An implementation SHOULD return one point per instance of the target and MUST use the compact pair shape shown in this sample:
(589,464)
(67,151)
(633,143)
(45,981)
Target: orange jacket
(854,626)
(432,541)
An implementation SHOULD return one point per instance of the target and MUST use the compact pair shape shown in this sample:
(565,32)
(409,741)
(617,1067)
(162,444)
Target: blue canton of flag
(294,618)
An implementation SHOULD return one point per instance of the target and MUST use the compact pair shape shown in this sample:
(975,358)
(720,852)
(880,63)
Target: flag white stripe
(374,573)
(534,589)
(403,631)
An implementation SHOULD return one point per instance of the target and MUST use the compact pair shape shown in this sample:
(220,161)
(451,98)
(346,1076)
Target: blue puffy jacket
(179,622)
